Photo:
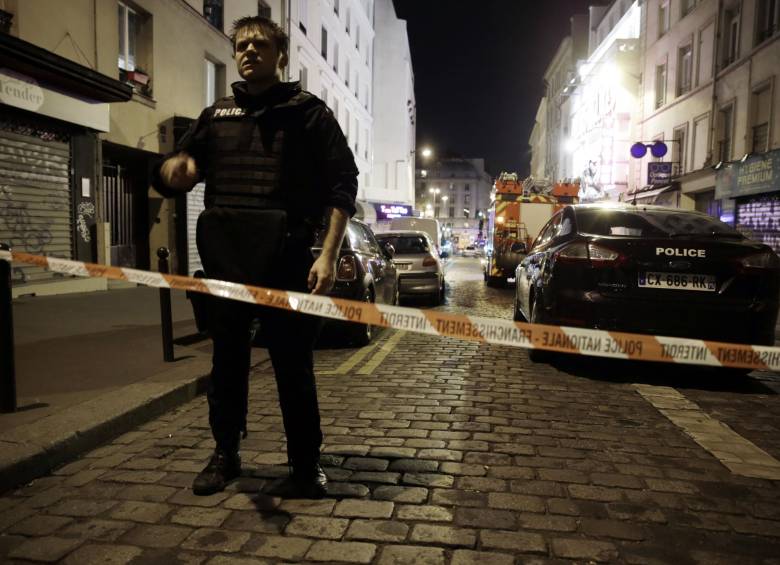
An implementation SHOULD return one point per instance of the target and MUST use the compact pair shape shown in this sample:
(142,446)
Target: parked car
(419,268)
(649,269)
(470,251)
(365,271)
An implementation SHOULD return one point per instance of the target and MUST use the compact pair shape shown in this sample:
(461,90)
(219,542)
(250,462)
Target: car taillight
(601,256)
(577,251)
(347,269)
(580,251)
(763,260)
(429,261)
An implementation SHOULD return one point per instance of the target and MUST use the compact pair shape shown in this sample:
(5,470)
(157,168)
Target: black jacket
(283,149)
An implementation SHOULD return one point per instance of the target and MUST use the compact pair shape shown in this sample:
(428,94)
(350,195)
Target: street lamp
(426,152)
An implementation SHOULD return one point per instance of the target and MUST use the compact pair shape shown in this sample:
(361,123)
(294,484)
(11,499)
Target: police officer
(277,167)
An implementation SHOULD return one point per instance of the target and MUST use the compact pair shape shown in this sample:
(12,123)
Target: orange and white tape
(600,343)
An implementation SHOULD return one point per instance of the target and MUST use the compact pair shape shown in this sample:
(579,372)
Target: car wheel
(538,355)
(364,333)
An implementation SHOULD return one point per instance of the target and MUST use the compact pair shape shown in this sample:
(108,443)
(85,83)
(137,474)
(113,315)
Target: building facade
(710,92)
(604,101)
(539,142)
(560,80)
(340,50)
(455,191)
(110,89)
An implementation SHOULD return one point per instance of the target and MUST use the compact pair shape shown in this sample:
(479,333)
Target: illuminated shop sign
(389,211)
(758,174)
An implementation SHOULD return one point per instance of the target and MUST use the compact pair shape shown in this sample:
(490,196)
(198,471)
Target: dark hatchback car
(649,269)
(365,271)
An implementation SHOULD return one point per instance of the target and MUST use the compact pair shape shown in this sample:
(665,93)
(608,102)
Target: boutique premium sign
(758,174)
(659,173)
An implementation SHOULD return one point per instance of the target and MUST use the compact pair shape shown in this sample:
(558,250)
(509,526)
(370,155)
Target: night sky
(478,69)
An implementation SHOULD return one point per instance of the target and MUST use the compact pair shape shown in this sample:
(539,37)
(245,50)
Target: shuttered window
(194,207)
(35,199)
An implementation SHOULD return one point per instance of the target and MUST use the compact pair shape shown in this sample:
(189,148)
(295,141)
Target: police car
(649,269)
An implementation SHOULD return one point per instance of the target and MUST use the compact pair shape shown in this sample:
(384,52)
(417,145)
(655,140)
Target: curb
(31,451)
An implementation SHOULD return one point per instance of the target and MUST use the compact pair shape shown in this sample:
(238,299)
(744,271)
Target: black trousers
(289,337)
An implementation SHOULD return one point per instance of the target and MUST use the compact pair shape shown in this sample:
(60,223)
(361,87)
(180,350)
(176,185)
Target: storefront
(751,188)
(51,111)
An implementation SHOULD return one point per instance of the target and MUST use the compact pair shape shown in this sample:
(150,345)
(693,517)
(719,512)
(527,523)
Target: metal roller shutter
(35,199)
(194,207)
(759,218)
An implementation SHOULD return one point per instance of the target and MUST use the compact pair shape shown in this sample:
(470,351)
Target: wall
(392,178)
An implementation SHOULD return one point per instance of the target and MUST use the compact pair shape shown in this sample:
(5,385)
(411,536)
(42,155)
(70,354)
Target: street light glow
(426,152)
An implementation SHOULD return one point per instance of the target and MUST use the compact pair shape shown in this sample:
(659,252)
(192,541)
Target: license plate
(403,267)
(677,281)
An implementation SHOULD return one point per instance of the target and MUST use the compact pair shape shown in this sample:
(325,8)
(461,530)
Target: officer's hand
(322,275)
(179,172)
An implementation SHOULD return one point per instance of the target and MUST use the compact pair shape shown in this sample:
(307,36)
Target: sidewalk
(89,366)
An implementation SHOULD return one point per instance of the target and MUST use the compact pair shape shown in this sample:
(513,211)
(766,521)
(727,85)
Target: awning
(56,71)
(649,194)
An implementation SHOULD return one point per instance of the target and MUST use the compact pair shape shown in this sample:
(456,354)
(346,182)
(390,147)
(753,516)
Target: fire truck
(518,211)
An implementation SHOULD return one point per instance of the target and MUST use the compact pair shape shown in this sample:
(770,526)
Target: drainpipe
(715,59)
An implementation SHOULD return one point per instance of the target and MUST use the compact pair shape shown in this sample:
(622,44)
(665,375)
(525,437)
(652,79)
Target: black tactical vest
(245,149)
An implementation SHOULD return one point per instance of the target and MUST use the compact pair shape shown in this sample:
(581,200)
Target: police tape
(494,331)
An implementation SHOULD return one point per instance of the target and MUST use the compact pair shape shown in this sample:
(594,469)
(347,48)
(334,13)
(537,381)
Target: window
(684,69)
(767,20)
(452,212)
(731,36)
(663,17)
(349,18)
(467,187)
(263,9)
(346,68)
(365,143)
(686,6)
(304,76)
(761,106)
(324,43)
(357,85)
(466,199)
(336,7)
(701,129)
(303,14)
(336,57)
(213,11)
(679,149)
(725,127)
(705,50)
(357,38)
(214,81)
(660,85)
(347,121)
(324,95)
(128,37)
(336,108)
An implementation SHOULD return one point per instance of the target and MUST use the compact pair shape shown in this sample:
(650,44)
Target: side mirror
(518,248)
(389,249)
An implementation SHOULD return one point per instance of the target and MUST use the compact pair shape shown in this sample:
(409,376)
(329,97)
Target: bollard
(166,319)
(7,370)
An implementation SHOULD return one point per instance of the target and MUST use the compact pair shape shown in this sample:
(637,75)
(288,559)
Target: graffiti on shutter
(35,198)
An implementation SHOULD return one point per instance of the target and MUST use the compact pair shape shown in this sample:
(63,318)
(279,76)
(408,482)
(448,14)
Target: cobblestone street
(438,451)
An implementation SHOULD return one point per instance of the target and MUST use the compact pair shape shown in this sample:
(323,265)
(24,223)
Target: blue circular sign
(658,149)
(638,150)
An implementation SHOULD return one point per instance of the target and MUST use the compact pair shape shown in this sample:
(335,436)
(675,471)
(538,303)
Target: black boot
(222,468)
(309,481)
